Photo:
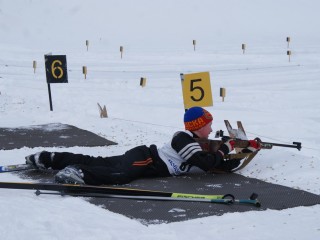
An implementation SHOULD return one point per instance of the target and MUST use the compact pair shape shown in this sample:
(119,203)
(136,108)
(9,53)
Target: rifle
(239,143)
(213,145)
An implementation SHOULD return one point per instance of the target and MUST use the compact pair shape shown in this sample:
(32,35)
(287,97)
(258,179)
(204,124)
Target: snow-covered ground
(276,100)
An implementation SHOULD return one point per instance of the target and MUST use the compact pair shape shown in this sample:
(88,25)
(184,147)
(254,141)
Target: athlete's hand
(254,145)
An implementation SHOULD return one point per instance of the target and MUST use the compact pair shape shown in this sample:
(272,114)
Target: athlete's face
(205,131)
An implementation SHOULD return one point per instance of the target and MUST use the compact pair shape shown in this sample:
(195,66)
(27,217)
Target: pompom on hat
(196,118)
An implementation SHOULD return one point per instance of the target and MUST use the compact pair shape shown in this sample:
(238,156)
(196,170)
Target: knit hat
(196,118)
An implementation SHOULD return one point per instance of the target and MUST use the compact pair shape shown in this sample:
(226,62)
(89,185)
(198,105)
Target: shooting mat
(271,196)
(49,135)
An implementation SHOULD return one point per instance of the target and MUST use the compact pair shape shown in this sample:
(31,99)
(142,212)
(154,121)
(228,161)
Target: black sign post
(56,71)
(50,99)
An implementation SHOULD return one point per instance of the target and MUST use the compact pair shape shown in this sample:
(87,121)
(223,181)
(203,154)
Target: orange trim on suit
(142,163)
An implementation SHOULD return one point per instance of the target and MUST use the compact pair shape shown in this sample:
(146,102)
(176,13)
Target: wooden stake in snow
(84,71)
(288,41)
(87,44)
(194,42)
(289,54)
(121,51)
(143,82)
(34,66)
(222,93)
(243,47)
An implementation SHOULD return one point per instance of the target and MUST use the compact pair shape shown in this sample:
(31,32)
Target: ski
(129,193)
(15,167)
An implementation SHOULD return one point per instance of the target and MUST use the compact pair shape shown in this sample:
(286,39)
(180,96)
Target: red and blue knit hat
(196,118)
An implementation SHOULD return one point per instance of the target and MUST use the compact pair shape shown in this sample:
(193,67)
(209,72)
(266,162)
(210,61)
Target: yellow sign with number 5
(196,89)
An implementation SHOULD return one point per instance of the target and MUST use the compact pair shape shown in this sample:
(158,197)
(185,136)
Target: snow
(275,99)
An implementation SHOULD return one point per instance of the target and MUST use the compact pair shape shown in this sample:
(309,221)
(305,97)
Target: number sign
(56,68)
(196,90)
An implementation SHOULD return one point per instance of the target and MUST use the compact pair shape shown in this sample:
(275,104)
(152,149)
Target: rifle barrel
(296,145)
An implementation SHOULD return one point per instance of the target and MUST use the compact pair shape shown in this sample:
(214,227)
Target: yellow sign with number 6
(196,90)
(56,68)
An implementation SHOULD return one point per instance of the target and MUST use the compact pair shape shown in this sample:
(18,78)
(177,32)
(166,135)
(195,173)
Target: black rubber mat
(271,196)
(49,135)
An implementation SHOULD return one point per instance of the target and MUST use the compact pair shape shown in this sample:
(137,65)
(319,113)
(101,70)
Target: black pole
(50,100)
